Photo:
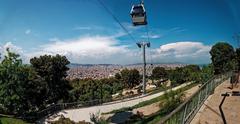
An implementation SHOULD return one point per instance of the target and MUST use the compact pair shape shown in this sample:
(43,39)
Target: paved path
(209,113)
(84,113)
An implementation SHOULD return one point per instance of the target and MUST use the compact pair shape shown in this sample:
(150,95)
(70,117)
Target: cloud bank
(186,52)
(108,50)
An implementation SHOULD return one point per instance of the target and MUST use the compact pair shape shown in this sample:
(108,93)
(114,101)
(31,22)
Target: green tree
(222,55)
(63,120)
(159,73)
(192,73)
(53,69)
(177,76)
(117,76)
(130,78)
(89,89)
(79,87)
(238,58)
(21,90)
(207,72)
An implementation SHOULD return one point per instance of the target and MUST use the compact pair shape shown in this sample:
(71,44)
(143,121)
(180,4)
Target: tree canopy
(21,90)
(130,78)
(222,56)
(53,69)
(238,58)
(159,73)
(90,89)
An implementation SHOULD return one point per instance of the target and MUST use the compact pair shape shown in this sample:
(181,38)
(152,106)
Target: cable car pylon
(139,17)
(143,46)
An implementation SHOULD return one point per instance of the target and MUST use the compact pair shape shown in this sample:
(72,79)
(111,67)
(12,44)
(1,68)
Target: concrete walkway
(209,113)
(84,113)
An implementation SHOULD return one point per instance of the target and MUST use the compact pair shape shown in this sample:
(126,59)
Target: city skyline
(178,31)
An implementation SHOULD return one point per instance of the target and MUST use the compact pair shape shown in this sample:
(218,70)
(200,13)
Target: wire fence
(187,110)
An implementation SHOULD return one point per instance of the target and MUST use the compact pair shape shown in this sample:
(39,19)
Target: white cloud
(12,48)
(54,39)
(88,50)
(176,29)
(152,36)
(28,31)
(130,27)
(187,52)
(93,27)
(92,45)
(82,28)
(159,33)
(98,49)
(108,50)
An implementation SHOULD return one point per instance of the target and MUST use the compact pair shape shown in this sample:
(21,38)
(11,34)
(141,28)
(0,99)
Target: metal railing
(52,109)
(187,110)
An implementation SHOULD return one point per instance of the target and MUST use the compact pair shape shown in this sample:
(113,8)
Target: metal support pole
(144,70)
(143,45)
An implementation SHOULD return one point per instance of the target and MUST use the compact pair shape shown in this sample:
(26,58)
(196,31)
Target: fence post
(211,86)
(184,114)
(199,95)
(208,87)
(205,88)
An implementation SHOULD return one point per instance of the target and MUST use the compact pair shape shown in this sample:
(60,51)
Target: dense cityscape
(99,71)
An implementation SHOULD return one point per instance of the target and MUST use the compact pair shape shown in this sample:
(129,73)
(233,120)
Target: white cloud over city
(186,52)
(107,50)
(12,47)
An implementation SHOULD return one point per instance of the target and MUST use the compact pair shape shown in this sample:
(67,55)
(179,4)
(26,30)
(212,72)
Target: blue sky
(180,30)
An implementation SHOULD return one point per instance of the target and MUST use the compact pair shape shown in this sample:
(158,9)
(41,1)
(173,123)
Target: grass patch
(156,117)
(7,120)
(148,102)
(157,90)
(159,98)
(119,110)
(172,99)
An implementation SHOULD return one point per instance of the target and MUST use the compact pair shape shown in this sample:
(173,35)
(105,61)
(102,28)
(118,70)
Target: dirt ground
(209,113)
(189,92)
(149,109)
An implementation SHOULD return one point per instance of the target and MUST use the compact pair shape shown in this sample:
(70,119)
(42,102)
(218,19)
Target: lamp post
(143,45)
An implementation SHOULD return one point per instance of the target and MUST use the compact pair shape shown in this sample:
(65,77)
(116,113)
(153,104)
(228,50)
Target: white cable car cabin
(138,15)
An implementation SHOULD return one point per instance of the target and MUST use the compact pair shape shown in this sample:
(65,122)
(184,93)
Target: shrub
(63,120)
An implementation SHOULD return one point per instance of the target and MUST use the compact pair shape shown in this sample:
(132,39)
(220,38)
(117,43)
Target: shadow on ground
(121,117)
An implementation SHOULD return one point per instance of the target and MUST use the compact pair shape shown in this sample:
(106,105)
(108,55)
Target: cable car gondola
(138,15)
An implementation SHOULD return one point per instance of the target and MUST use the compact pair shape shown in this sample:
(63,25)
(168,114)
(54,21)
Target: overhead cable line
(116,19)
